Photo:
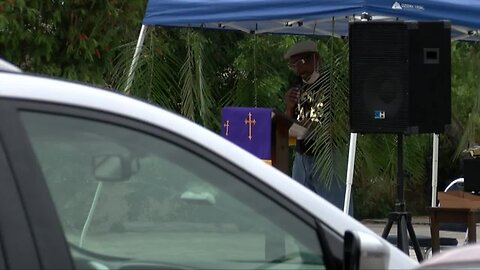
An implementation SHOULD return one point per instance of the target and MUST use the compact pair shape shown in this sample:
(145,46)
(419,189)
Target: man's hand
(291,99)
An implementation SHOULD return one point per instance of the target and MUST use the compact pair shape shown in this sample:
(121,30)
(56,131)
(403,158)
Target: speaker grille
(379,77)
(399,77)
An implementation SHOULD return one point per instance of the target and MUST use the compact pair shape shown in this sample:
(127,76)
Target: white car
(459,258)
(95,179)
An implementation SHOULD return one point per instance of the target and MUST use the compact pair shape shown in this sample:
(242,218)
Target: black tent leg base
(404,225)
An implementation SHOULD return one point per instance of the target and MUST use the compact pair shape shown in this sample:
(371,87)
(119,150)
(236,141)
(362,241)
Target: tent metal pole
(351,165)
(138,49)
(435,169)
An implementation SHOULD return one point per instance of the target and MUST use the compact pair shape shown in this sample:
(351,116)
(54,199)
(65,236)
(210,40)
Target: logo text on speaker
(379,114)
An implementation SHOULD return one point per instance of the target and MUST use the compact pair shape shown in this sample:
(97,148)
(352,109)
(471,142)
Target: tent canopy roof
(309,17)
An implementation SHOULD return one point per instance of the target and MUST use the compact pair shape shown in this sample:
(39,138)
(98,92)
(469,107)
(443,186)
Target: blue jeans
(303,172)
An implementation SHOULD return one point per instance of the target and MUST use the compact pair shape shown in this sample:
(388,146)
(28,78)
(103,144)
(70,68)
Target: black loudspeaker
(399,77)
(471,174)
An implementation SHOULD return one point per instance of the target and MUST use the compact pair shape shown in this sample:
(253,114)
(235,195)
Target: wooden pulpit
(280,126)
(283,128)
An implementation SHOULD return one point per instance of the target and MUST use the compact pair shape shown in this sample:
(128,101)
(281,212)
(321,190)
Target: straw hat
(301,47)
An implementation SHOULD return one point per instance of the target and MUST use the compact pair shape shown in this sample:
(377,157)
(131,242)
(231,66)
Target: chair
(455,185)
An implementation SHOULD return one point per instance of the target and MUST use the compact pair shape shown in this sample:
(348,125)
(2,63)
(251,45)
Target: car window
(124,193)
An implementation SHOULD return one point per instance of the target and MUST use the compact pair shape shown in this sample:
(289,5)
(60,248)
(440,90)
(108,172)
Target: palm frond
(170,75)
(258,76)
(198,101)
(155,77)
(187,78)
(376,157)
(330,134)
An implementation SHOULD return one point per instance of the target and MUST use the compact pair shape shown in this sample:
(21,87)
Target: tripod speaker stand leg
(404,226)
(401,217)
(413,239)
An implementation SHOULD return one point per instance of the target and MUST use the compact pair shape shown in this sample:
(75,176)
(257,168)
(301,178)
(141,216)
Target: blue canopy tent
(309,17)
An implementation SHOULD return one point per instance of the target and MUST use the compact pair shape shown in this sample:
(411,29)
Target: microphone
(299,86)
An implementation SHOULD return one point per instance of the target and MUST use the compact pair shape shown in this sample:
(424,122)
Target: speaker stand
(400,216)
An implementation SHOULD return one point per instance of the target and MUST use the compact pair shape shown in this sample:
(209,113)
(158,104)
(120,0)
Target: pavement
(421,226)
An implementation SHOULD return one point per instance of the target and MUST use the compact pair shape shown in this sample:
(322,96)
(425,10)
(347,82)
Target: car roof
(29,87)
(6,66)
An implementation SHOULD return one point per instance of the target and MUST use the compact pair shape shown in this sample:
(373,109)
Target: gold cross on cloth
(249,122)
(226,125)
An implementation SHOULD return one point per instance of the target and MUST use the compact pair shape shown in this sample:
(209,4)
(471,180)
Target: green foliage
(375,178)
(156,74)
(70,39)
(466,93)
(261,72)
(372,198)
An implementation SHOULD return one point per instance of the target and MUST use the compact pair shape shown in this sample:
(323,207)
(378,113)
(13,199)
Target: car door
(119,193)
(31,236)
(16,245)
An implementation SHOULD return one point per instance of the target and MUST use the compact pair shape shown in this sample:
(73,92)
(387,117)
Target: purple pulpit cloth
(249,128)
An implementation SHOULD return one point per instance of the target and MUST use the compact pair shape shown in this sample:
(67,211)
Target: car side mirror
(351,251)
(114,168)
(364,251)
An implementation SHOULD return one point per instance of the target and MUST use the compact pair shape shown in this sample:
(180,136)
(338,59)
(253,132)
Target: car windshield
(123,193)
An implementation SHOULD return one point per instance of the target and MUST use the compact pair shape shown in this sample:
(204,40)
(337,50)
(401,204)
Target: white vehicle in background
(95,179)
(459,258)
